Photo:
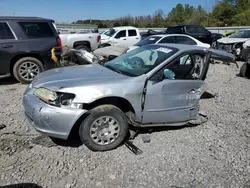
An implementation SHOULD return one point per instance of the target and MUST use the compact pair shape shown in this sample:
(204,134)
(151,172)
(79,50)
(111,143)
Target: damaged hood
(75,76)
(221,55)
(228,40)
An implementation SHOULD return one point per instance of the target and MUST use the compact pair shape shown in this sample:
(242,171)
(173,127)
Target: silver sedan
(154,85)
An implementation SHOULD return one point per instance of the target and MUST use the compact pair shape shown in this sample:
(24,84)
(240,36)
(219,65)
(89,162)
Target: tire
(27,62)
(95,140)
(83,47)
(243,70)
(245,54)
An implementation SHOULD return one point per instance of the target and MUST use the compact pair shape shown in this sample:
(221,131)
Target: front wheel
(25,69)
(104,129)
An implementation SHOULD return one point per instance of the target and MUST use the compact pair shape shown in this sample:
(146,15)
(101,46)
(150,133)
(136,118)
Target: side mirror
(168,74)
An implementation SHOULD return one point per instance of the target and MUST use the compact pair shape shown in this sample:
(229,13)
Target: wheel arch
(85,43)
(19,56)
(123,104)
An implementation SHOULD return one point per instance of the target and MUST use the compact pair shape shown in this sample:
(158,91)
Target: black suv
(25,46)
(196,31)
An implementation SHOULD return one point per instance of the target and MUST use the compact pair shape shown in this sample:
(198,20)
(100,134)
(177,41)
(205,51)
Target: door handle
(7,46)
(137,38)
(124,39)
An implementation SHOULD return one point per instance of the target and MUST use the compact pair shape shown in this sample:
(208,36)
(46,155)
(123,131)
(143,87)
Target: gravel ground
(214,154)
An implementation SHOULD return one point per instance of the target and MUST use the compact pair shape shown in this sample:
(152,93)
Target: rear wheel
(105,128)
(25,69)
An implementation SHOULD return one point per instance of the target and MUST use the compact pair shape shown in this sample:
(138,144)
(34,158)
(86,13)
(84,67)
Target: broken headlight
(55,98)
(46,95)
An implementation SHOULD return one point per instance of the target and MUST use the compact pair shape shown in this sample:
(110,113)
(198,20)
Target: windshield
(110,32)
(148,40)
(141,60)
(241,34)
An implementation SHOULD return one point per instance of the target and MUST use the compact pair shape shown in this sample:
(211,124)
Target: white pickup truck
(120,36)
(87,41)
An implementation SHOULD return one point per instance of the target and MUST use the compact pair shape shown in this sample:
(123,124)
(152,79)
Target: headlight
(46,95)
(56,98)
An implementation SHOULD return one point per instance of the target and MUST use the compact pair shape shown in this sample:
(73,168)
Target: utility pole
(13,14)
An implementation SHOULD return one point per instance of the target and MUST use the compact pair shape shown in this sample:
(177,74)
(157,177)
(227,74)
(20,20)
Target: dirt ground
(214,154)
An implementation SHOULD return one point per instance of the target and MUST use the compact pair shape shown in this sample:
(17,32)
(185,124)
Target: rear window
(37,29)
(5,32)
(148,40)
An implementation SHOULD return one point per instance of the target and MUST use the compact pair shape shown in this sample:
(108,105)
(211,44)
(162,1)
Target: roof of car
(168,35)
(125,27)
(23,18)
(181,47)
(182,25)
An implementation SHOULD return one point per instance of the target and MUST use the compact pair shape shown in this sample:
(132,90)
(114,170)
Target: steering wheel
(136,62)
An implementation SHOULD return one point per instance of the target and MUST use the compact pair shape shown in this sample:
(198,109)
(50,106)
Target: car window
(202,30)
(167,40)
(241,34)
(188,66)
(132,33)
(148,40)
(141,60)
(5,32)
(110,32)
(121,34)
(37,29)
(177,30)
(192,29)
(185,40)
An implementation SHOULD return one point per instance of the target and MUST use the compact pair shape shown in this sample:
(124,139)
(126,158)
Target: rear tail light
(98,38)
(59,43)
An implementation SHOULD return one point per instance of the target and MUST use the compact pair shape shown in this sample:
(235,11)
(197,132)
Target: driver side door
(120,38)
(172,100)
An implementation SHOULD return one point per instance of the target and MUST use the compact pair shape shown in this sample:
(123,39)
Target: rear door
(133,37)
(8,47)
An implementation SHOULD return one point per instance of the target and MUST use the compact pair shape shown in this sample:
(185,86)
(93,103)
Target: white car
(169,38)
(120,36)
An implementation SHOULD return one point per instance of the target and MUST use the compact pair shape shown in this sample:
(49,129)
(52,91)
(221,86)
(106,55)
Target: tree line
(223,13)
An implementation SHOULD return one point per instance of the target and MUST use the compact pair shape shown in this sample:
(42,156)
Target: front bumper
(237,52)
(53,121)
